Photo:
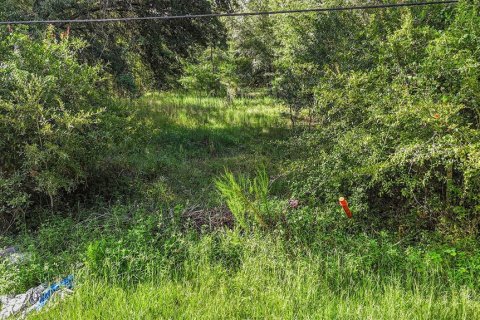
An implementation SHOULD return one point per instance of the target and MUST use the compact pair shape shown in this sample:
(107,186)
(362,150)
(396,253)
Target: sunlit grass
(270,284)
(194,111)
(194,138)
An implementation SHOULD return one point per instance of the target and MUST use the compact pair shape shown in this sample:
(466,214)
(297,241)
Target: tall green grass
(270,283)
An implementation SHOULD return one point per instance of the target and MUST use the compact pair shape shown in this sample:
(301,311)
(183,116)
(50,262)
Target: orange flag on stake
(344,204)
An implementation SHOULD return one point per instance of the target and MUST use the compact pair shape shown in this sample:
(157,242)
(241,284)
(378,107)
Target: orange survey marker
(344,204)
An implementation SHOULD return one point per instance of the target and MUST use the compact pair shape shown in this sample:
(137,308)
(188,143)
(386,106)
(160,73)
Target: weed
(247,198)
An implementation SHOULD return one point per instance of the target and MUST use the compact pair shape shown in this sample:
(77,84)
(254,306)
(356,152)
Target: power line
(237,14)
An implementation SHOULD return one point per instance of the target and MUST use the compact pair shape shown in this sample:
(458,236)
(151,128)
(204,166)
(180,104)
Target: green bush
(52,114)
(401,139)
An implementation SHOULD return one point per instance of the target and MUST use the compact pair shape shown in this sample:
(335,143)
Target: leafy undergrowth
(141,258)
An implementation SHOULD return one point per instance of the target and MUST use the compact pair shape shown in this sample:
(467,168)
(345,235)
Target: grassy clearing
(137,258)
(192,140)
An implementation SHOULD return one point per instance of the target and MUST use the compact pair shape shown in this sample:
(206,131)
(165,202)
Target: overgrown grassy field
(180,205)
(268,283)
(167,249)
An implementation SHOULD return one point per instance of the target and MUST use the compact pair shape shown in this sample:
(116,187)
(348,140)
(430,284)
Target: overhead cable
(233,14)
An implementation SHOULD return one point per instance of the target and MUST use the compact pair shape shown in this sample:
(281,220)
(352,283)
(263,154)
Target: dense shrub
(52,112)
(401,139)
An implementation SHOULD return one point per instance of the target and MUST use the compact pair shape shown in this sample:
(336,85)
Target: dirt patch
(204,220)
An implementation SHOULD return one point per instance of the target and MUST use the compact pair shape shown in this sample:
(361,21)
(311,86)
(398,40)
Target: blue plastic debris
(47,294)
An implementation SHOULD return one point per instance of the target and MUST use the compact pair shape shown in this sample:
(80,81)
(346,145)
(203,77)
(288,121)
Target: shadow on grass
(190,144)
(189,159)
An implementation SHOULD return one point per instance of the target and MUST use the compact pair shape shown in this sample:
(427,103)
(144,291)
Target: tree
(156,46)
